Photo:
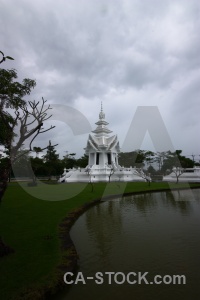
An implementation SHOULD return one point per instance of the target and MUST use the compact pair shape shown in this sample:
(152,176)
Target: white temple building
(102,149)
(184,175)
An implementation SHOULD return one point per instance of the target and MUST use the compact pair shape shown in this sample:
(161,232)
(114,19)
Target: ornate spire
(101,129)
(101,114)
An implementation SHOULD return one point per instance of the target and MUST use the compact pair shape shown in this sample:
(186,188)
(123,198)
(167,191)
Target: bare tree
(88,170)
(11,97)
(30,119)
(112,169)
(178,171)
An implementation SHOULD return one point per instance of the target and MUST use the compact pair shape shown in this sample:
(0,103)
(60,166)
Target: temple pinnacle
(102,114)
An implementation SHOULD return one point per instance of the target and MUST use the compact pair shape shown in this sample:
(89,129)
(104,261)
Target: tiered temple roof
(101,139)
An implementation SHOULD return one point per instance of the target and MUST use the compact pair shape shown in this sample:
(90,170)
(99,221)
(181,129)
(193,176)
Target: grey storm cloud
(127,53)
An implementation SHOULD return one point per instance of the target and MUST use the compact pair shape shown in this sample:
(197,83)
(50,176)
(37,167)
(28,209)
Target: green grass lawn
(25,221)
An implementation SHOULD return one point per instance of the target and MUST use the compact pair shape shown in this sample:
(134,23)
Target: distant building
(102,149)
(183,175)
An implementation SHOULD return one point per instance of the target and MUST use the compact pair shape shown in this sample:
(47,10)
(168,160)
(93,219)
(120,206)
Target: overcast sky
(125,53)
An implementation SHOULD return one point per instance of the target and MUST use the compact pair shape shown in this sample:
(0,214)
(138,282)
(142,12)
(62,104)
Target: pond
(158,233)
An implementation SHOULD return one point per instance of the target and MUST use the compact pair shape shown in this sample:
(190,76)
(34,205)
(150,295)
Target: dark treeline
(156,162)
(51,165)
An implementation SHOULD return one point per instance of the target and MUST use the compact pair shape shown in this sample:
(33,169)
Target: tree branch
(39,115)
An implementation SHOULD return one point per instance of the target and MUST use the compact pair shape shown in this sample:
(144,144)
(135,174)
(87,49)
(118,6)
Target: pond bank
(68,251)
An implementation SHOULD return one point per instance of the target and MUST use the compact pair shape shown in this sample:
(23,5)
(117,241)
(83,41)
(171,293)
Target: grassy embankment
(31,227)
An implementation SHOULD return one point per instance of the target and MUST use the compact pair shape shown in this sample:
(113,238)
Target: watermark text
(122,278)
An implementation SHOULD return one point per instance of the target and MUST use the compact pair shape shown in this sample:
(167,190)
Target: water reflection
(157,233)
(104,217)
(143,203)
(180,200)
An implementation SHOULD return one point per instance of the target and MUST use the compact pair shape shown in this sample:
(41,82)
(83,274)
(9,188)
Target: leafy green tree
(151,170)
(134,158)
(12,95)
(82,162)
(37,150)
(52,161)
(185,161)
(175,159)
(69,161)
(149,157)
(51,154)
(39,167)
(160,157)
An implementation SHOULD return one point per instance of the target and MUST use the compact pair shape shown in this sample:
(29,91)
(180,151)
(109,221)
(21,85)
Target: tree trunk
(109,178)
(4,178)
(92,185)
